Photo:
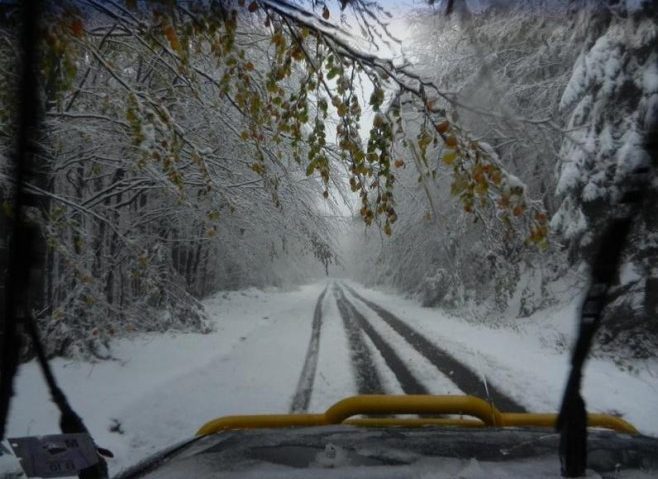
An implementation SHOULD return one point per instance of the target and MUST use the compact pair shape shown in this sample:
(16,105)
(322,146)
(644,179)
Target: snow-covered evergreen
(612,99)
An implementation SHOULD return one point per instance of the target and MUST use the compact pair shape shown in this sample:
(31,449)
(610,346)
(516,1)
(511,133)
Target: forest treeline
(188,147)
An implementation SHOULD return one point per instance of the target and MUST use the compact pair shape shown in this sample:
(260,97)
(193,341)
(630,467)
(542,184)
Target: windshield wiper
(572,420)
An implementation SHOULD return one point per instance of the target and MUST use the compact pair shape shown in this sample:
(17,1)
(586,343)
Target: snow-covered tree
(504,72)
(612,100)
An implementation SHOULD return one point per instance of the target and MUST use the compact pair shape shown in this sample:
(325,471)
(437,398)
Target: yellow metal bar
(413,404)
(508,420)
(413,422)
(257,421)
(548,420)
(339,413)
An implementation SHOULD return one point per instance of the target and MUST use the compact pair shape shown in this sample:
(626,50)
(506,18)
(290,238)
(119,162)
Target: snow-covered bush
(434,288)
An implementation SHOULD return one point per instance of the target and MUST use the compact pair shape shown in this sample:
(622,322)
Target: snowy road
(377,352)
(302,350)
(463,377)
(302,396)
(407,381)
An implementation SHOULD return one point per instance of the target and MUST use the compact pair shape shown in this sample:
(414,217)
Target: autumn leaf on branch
(282,103)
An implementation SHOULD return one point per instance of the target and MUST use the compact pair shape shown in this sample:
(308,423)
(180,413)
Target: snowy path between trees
(272,348)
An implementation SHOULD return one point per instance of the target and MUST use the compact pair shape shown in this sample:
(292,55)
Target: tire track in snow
(367,377)
(302,397)
(465,379)
(408,382)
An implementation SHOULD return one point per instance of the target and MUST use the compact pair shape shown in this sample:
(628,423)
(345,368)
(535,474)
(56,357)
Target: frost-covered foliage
(505,69)
(567,88)
(185,144)
(151,198)
(612,99)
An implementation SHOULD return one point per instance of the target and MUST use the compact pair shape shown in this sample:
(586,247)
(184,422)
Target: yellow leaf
(449,157)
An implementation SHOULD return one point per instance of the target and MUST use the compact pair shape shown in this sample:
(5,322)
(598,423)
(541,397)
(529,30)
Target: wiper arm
(572,420)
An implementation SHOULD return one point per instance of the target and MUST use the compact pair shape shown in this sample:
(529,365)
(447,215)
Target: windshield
(245,207)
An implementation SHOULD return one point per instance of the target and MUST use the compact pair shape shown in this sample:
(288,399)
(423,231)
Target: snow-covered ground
(162,387)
